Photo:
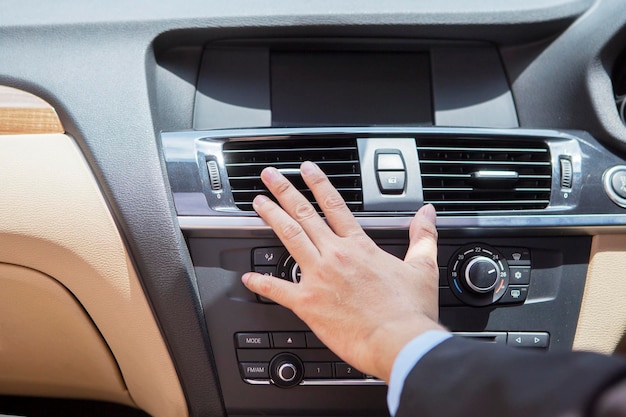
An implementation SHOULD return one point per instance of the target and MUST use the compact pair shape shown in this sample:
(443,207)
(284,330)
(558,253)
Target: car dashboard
(127,219)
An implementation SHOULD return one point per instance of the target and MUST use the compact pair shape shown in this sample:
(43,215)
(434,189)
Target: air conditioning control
(481,274)
(478,275)
(288,269)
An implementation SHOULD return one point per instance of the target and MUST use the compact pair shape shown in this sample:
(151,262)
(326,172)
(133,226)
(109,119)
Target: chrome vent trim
(337,156)
(485,174)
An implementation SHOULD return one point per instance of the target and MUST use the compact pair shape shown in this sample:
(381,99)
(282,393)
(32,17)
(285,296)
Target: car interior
(133,135)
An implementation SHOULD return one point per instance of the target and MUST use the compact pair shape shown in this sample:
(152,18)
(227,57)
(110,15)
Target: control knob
(478,275)
(286,370)
(481,274)
(288,269)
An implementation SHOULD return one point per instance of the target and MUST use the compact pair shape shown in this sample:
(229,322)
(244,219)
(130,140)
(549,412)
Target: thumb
(423,238)
(276,289)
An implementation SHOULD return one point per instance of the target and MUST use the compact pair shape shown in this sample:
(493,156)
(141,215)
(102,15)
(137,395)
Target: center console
(394,126)
(505,276)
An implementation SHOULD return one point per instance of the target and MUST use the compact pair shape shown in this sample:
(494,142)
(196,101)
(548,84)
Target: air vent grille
(484,174)
(338,157)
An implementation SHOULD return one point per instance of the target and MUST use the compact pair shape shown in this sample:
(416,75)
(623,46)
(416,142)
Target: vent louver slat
(338,157)
(470,175)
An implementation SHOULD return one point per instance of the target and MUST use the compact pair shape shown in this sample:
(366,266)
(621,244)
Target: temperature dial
(481,274)
(478,275)
(288,268)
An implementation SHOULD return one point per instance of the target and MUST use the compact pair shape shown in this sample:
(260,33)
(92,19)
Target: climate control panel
(478,275)
(475,274)
(269,362)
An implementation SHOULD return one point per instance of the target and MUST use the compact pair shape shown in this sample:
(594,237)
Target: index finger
(338,215)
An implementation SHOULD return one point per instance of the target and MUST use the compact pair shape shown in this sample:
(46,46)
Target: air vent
(338,157)
(470,175)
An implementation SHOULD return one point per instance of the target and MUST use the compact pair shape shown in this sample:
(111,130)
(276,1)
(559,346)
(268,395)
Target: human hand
(362,302)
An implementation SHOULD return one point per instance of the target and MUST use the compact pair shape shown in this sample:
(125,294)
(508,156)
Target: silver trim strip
(286,171)
(325,382)
(257,381)
(470,149)
(542,221)
(338,148)
(317,382)
(487,202)
(275,164)
(284,133)
(513,175)
(521,176)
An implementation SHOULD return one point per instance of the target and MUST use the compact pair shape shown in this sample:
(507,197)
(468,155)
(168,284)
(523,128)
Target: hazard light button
(528,339)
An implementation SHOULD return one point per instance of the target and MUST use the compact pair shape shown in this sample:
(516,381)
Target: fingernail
(259,200)
(308,167)
(429,212)
(245,277)
(270,174)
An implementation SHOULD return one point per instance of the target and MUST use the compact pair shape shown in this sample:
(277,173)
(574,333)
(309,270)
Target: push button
(520,276)
(266,270)
(528,339)
(346,371)
(318,370)
(390,171)
(391,182)
(267,256)
(289,340)
(389,162)
(254,370)
(514,294)
(253,340)
(516,256)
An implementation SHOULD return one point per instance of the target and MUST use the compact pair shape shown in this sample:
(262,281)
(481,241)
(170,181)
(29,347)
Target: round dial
(286,370)
(481,274)
(288,268)
(478,275)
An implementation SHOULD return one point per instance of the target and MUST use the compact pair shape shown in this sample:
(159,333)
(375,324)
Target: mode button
(253,340)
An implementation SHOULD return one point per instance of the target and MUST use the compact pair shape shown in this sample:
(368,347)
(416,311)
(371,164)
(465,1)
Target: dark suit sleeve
(466,378)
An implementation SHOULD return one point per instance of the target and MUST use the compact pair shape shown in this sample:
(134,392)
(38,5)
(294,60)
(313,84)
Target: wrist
(386,342)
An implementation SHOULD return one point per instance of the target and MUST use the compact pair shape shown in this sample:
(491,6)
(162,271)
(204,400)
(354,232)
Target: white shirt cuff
(406,361)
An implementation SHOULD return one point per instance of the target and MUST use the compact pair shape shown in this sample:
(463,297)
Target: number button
(346,371)
(318,370)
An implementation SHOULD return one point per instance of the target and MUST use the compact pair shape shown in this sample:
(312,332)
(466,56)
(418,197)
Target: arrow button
(296,340)
(529,339)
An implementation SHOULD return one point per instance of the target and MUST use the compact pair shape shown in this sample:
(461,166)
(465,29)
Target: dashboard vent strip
(482,174)
(338,157)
